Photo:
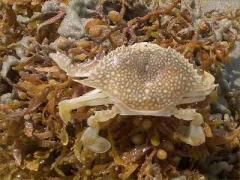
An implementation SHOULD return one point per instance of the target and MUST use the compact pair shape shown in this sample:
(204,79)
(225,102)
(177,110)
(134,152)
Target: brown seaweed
(35,143)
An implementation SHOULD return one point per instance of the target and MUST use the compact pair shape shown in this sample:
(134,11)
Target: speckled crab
(141,79)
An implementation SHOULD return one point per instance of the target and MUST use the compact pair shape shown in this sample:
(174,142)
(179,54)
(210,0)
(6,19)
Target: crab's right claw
(94,142)
(101,145)
(65,111)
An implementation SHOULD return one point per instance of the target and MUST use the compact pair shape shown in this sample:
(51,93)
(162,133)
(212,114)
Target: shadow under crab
(142,79)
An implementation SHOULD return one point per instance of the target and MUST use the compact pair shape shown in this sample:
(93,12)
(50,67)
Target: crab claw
(94,142)
(195,136)
(65,111)
(101,145)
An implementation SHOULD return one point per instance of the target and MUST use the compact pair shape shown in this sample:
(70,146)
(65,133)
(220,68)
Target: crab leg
(73,70)
(205,88)
(90,137)
(201,92)
(188,100)
(196,134)
(93,98)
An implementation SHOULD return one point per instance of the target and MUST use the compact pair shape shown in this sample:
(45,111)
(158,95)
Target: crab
(140,79)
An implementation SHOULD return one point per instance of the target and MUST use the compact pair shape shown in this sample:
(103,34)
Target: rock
(10,61)
(52,5)
(6,98)
(237,82)
(220,108)
(76,17)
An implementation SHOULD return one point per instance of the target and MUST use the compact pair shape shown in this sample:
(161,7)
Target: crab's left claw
(195,135)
